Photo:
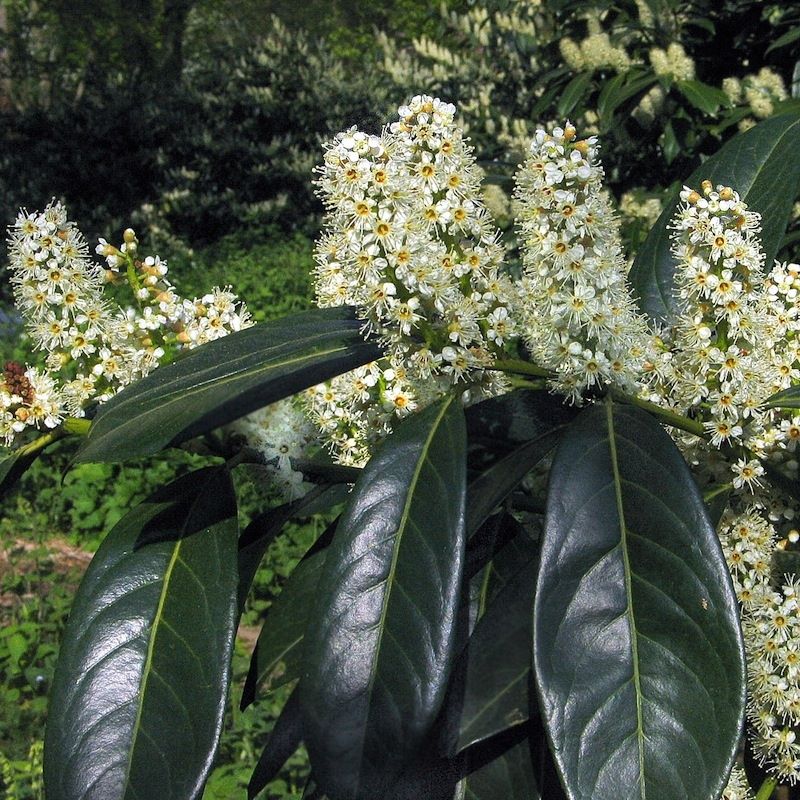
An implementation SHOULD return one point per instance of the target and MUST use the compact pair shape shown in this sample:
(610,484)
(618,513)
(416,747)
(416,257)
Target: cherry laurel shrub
(565,561)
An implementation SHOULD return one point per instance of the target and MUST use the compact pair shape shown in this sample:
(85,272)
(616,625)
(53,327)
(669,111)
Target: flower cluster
(28,397)
(772,639)
(578,318)
(594,52)
(748,541)
(782,286)
(720,355)
(760,91)
(672,62)
(409,242)
(281,433)
(93,347)
(59,292)
(179,321)
(650,106)
(738,788)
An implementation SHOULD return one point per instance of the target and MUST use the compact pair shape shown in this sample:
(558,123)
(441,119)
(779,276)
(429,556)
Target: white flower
(574,286)
(409,241)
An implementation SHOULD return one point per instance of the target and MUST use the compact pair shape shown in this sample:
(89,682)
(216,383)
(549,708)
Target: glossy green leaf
(792,35)
(267,526)
(573,93)
(670,146)
(500,424)
(784,562)
(283,740)
(610,88)
(254,541)
(498,655)
(492,486)
(380,644)
(781,481)
(637,648)
(278,655)
(732,117)
(707,98)
(761,165)
(142,679)
(786,398)
(544,102)
(523,543)
(510,776)
(13,465)
(716,505)
(312,790)
(486,544)
(619,90)
(224,380)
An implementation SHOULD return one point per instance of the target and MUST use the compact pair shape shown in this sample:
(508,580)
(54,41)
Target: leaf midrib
(101,431)
(389,582)
(628,591)
(146,670)
(261,354)
(180,392)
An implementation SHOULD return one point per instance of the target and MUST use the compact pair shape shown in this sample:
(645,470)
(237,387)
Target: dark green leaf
(716,505)
(522,544)
(784,562)
(610,89)
(544,102)
(761,165)
(498,657)
(380,645)
(510,776)
(573,93)
(619,90)
(705,24)
(786,398)
(255,540)
(226,379)
(283,741)
(670,146)
(141,683)
(781,481)
(494,485)
(791,105)
(790,239)
(637,648)
(707,98)
(500,424)
(277,657)
(265,527)
(732,117)
(487,542)
(787,38)
(312,791)
(13,465)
